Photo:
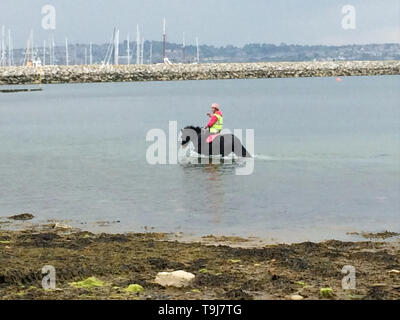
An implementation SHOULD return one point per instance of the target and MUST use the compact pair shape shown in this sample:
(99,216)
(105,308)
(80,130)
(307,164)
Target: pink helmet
(215,106)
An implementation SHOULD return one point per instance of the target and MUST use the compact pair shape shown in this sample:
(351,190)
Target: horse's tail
(245,153)
(238,148)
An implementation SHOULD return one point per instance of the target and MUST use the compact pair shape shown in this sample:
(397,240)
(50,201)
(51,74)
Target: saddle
(211,138)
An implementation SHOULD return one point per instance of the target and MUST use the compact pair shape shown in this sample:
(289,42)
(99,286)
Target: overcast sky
(217,22)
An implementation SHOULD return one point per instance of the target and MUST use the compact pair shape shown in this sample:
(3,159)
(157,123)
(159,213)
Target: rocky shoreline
(164,72)
(130,266)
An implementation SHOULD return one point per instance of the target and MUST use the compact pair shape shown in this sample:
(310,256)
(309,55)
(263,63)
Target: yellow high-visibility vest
(219,125)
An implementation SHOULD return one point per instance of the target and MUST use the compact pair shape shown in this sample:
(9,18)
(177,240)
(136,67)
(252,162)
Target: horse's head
(190,133)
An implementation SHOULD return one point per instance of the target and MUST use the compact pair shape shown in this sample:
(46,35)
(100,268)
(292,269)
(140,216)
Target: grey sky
(218,22)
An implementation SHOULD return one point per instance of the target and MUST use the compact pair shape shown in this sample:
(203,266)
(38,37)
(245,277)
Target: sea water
(326,162)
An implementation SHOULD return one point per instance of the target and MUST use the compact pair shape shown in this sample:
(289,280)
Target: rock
(301,283)
(206,71)
(23,217)
(378,285)
(394,271)
(234,260)
(176,279)
(88,283)
(326,292)
(195,291)
(60,226)
(135,288)
(296,297)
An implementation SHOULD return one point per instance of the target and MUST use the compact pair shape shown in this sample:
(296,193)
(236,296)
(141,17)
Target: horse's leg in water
(239,149)
(214,147)
(225,145)
(210,150)
(222,146)
(199,149)
(205,148)
(229,144)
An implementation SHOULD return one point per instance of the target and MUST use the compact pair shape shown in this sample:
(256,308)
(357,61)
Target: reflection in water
(215,190)
(209,172)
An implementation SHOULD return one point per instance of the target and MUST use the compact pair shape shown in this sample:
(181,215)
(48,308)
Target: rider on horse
(216,122)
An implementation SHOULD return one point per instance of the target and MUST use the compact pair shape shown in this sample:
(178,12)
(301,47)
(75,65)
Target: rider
(216,122)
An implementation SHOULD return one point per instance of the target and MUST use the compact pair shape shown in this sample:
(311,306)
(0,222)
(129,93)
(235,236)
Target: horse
(222,144)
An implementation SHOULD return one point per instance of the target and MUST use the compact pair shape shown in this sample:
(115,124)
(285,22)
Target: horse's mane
(197,129)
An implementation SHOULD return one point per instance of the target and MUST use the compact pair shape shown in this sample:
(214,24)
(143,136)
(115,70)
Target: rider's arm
(212,121)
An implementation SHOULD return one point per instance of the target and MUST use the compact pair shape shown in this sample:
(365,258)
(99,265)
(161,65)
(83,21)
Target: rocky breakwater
(163,72)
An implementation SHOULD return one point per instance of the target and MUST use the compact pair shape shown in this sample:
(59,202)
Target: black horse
(223,144)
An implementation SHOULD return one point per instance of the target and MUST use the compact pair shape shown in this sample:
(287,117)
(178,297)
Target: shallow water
(327,157)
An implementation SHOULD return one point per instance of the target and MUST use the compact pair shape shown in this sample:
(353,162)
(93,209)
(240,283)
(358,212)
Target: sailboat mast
(27,53)
(151,53)
(91,53)
(142,52)
(164,39)
(11,50)
(66,52)
(198,50)
(44,52)
(74,62)
(183,49)
(9,47)
(50,53)
(32,47)
(137,45)
(53,44)
(116,46)
(128,53)
(2,49)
